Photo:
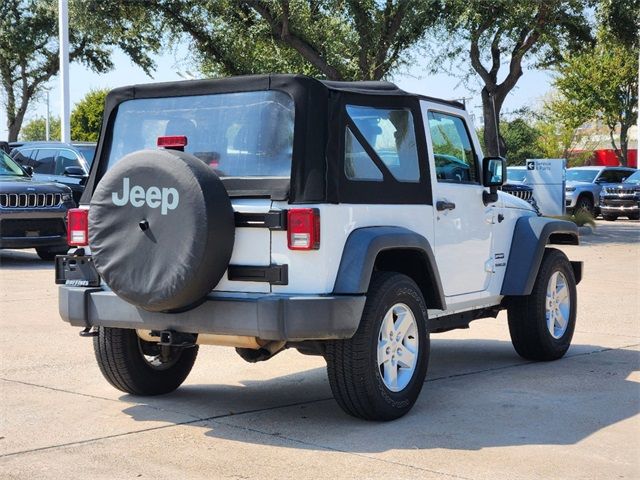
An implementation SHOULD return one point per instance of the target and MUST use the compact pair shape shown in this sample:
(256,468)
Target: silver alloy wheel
(398,345)
(558,305)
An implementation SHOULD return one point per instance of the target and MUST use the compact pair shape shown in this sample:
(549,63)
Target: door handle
(444,205)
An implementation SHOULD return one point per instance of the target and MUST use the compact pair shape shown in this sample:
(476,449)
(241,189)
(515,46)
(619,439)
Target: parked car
(621,199)
(517,175)
(55,162)
(343,219)
(32,213)
(583,185)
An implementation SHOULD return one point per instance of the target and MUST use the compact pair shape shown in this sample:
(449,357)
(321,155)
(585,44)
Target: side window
(43,162)
(66,158)
(619,175)
(22,157)
(454,157)
(357,163)
(391,134)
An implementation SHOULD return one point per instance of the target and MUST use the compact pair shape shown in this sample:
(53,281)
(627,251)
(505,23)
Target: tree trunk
(624,145)
(493,141)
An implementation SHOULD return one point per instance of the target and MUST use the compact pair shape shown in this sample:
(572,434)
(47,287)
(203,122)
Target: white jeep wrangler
(348,220)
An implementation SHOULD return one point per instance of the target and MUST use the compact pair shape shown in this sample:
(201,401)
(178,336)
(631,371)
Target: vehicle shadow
(23,260)
(613,232)
(478,394)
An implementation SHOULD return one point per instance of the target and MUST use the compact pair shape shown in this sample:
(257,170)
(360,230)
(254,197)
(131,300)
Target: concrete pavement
(483,412)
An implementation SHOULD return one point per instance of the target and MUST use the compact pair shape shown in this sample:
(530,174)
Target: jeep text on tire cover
(343,219)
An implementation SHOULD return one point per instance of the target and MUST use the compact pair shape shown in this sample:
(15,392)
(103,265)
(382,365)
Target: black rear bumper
(266,316)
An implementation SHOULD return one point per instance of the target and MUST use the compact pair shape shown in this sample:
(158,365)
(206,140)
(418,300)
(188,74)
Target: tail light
(303,229)
(78,227)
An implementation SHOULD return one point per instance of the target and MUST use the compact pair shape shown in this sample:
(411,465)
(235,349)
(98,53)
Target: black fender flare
(531,235)
(362,248)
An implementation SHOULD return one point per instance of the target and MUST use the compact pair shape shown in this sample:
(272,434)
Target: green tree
(29,44)
(334,39)
(520,136)
(36,130)
(481,37)
(86,117)
(601,83)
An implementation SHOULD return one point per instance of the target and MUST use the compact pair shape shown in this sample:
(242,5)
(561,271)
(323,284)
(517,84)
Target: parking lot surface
(483,412)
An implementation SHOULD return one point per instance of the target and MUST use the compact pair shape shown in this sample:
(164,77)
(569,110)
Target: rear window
(246,134)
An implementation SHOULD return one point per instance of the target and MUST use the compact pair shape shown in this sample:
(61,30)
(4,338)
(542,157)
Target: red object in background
(175,142)
(607,157)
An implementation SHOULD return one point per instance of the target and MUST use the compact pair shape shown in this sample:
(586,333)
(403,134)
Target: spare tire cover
(161,229)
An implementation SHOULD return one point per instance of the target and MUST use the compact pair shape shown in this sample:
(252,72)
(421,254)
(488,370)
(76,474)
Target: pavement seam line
(526,363)
(337,450)
(259,410)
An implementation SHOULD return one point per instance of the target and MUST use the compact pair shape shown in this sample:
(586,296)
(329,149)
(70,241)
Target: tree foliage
(86,117)
(601,83)
(483,36)
(333,39)
(29,50)
(36,130)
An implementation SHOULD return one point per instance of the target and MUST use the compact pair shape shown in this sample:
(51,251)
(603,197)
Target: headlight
(570,189)
(67,197)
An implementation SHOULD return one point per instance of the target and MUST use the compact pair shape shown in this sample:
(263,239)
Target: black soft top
(317,129)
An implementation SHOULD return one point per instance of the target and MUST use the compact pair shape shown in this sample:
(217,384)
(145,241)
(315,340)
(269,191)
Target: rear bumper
(266,316)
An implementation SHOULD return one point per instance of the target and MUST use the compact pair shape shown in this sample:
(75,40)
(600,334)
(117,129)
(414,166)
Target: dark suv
(32,214)
(55,162)
(621,199)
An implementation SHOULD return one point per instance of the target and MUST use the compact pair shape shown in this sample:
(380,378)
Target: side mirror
(28,169)
(494,174)
(74,172)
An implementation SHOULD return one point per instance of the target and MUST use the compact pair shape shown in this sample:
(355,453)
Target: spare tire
(161,229)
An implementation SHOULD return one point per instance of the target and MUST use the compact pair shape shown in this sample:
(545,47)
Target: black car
(32,213)
(55,162)
(621,199)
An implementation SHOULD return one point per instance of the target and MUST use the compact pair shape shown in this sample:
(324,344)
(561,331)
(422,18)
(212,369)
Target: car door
(43,163)
(463,224)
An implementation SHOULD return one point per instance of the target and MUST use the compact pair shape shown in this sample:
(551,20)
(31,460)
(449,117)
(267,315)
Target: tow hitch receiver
(171,338)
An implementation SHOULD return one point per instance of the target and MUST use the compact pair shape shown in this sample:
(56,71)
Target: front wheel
(379,372)
(541,324)
(585,204)
(138,367)
(633,216)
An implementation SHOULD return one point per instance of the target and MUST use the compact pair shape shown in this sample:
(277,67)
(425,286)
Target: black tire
(610,218)
(121,361)
(530,335)
(352,365)
(633,216)
(49,253)
(585,204)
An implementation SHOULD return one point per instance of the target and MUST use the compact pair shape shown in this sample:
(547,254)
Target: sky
(171,65)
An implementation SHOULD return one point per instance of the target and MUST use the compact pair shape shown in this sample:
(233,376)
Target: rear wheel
(541,324)
(49,253)
(135,366)
(379,372)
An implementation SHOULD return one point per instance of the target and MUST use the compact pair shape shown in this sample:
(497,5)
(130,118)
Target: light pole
(63,32)
(46,123)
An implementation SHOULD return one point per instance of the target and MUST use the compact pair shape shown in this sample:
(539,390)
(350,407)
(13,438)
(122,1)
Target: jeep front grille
(30,200)
(524,195)
(619,191)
